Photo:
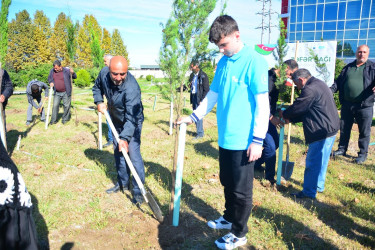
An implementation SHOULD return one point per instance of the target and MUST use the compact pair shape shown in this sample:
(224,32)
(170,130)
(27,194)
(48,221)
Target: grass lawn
(67,177)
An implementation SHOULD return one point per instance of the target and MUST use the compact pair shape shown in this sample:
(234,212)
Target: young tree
(118,47)
(96,52)
(187,22)
(71,40)
(4,29)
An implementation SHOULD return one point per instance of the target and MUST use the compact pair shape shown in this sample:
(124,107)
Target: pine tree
(71,41)
(106,41)
(58,39)
(118,47)
(96,52)
(42,34)
(21,43)
(4,29)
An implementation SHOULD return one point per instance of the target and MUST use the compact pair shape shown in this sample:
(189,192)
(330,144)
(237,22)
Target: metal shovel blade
(154,207)
(287,169)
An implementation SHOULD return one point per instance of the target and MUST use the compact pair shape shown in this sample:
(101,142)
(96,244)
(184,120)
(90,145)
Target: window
(292,36)
(310,1)
(293,15)
(371,44)
(298,36)
(293,2)
(340,35)
(318,35)
(354,10)
(342,9)
(319,12)
(308,26)
(351,34)
(309,13)
(363,34)
(299,27)
(340,25)
(373,9)
(364,24)
(372,23)
(350,46)
(352,24)
(329,25)
(329,35)
(299,13)
(366,9)
(371,33)
(308,36)
(330,12)
(319,25)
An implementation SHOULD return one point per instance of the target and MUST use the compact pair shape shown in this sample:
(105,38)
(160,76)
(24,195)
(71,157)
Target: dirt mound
(84,138)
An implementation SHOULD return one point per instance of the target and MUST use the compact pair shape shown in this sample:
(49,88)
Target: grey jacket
(30,97)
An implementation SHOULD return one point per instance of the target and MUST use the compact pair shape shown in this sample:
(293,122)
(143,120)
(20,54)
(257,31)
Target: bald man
(126,110)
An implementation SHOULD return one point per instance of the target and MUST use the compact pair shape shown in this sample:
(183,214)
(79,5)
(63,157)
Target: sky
(139,21)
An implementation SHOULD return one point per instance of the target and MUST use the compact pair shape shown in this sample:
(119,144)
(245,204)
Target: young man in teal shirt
(240,89)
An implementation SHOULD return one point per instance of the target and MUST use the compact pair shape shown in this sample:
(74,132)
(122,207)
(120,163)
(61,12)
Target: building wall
(350,22)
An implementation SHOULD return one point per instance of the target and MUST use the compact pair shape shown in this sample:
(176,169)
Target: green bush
(94,72)
(23,77)
(149,77)
(83,79)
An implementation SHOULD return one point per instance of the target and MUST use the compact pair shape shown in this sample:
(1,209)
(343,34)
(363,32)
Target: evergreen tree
(118,47)
(58,39)
(21,43)
(42,34)
(106,41)
(96,52)
(4,29)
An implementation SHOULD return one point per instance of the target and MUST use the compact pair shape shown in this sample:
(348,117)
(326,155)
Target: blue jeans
(317,159)
(270,144)
(199,124)
(110,138)
(123,171)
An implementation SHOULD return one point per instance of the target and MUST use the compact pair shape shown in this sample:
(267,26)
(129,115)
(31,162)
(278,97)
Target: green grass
(67,177)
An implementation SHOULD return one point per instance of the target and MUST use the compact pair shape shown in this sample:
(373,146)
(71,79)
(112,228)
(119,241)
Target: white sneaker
(220,223)
(230,241)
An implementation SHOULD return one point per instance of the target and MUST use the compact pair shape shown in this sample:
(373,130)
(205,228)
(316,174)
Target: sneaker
(28,123)
(339,152)
(138,199)
(301,195)
(109,143)
(361,159)
(230,241)
(220,223)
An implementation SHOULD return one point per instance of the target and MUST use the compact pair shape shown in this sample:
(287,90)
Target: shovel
(146,195)
(287,169)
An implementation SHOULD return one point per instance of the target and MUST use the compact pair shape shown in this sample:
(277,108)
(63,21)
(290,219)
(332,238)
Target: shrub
(141,77)
(94,72)
(83,79)
(149,77)
(23,77)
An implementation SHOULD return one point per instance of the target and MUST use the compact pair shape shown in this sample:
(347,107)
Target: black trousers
(363,117)
(236,175)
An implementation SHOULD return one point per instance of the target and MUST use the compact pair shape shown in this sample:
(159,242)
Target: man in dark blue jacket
(356,86)
(123,96)
(316,109)
(59,79)
(6,90)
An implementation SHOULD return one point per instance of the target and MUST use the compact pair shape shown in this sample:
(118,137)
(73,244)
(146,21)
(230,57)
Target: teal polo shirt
(237,80)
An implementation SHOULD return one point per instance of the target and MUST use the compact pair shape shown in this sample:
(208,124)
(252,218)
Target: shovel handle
(126,156)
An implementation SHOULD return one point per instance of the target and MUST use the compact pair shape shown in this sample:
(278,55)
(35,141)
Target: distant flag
(265,49)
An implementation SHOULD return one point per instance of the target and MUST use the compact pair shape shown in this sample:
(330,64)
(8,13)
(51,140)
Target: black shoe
(339,152)
(109,143)
(360,159)
(301,195)
(198,137)
(116,188)
(138,199)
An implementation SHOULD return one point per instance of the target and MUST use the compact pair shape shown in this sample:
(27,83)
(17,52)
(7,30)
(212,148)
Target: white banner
(326,52)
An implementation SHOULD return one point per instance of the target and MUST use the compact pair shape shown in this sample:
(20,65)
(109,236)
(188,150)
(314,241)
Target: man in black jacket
(126,110)
(199,87)
(316,109)
(6,92)
(356,86)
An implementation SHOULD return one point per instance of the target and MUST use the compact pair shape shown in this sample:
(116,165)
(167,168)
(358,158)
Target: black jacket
(6,87)
(317,110)
(203,86)
(273,92)
(67,80)
(368,83)
(124,102)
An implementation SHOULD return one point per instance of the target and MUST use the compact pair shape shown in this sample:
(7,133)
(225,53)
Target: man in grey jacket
(34,91)
(60,79)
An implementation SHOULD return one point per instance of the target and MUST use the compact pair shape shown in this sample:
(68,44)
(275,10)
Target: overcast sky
(138,21)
